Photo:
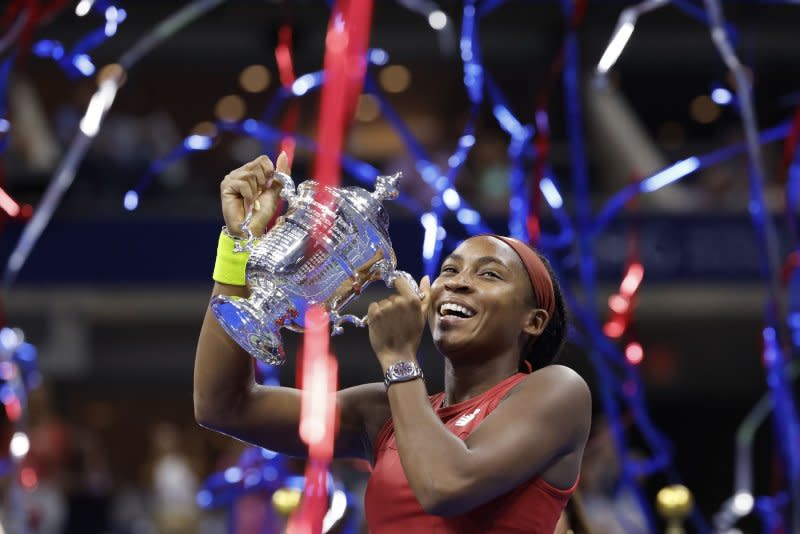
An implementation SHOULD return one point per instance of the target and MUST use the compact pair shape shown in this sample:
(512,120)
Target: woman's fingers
(425,289)
(263,168)
(245,190)
(283,163)
(404,288)
(252,187)
(256,174)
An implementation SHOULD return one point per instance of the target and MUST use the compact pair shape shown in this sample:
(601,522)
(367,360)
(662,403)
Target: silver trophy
(330,244)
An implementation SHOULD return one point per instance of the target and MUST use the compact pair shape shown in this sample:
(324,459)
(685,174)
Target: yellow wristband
(230,266)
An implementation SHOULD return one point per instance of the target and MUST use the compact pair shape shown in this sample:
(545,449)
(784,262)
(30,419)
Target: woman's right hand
(252,183)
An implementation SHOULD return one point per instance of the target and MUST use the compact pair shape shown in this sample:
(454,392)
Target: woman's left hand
(396,323)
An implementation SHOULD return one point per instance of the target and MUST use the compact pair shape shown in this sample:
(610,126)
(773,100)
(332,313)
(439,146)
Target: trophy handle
(389,275)
(287,193)
(337,321)
(246,244)
(393,275)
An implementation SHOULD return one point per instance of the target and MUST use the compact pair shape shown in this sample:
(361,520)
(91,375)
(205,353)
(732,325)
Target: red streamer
(792,262)
(345,67)
(283,56)
(9,205)
(35,13)
(541,138)
(790,145)
(623,302)
(317,422)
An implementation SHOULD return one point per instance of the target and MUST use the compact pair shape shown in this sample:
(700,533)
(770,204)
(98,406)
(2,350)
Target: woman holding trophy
(498,451)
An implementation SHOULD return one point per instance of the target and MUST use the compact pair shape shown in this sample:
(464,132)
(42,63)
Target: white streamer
(89,127)
(623,31)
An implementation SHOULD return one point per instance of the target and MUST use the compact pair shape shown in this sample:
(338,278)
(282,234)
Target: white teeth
(450,307)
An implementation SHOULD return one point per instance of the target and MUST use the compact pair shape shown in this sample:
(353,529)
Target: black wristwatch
(401,372)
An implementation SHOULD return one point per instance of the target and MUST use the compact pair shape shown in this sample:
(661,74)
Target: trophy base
(246,325)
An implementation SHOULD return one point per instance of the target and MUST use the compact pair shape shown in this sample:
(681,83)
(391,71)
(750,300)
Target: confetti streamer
(345,66)
(89,127)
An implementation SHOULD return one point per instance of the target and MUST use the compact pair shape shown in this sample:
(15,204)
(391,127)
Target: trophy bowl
(328,246)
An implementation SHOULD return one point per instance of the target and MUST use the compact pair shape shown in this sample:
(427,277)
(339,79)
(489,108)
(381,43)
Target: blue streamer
(256,470)
(5,72)
(473,82)
(566,235)
(430,173)
(769,511)
(617,202)
(700,15)
(656,442)
(276,105)
(78,63)
(578,157)
(487,6)
(786,422)
(521,135)
(447,198)
(361,171)
(792,194)
(586,258)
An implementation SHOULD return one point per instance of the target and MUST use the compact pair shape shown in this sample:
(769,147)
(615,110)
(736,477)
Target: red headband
(540,278)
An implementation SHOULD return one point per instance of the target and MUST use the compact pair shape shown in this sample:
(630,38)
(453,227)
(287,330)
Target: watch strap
(402,372)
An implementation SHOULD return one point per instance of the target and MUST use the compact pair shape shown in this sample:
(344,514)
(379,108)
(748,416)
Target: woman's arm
(228,399)
(545,418)
(226,396)
(543,421)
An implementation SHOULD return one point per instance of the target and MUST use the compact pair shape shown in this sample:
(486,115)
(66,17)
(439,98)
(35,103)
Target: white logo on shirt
(466,418)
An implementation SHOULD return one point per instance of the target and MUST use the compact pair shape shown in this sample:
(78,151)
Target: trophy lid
(386,187)
(367,204)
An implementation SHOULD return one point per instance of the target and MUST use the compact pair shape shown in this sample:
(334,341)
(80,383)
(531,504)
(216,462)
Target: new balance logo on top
(466,418)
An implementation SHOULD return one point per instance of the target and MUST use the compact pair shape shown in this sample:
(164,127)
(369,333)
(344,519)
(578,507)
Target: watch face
(402,372)
(403,369)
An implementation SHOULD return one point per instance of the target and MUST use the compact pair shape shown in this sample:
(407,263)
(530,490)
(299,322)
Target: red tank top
(391,507)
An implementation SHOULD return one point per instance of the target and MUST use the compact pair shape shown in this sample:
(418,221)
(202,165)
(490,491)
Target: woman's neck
(465,380)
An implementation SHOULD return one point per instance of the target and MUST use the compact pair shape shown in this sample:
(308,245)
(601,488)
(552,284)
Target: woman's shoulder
(560,383)
(561,374)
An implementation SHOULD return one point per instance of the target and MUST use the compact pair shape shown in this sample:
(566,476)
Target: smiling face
(482,301)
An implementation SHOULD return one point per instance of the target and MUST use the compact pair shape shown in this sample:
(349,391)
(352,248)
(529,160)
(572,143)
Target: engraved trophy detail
(328,246)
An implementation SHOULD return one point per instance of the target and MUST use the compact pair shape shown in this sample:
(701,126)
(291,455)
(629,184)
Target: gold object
(286,500)
(674,503)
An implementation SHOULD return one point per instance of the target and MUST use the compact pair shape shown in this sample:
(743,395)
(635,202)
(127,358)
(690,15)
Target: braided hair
(543,350)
